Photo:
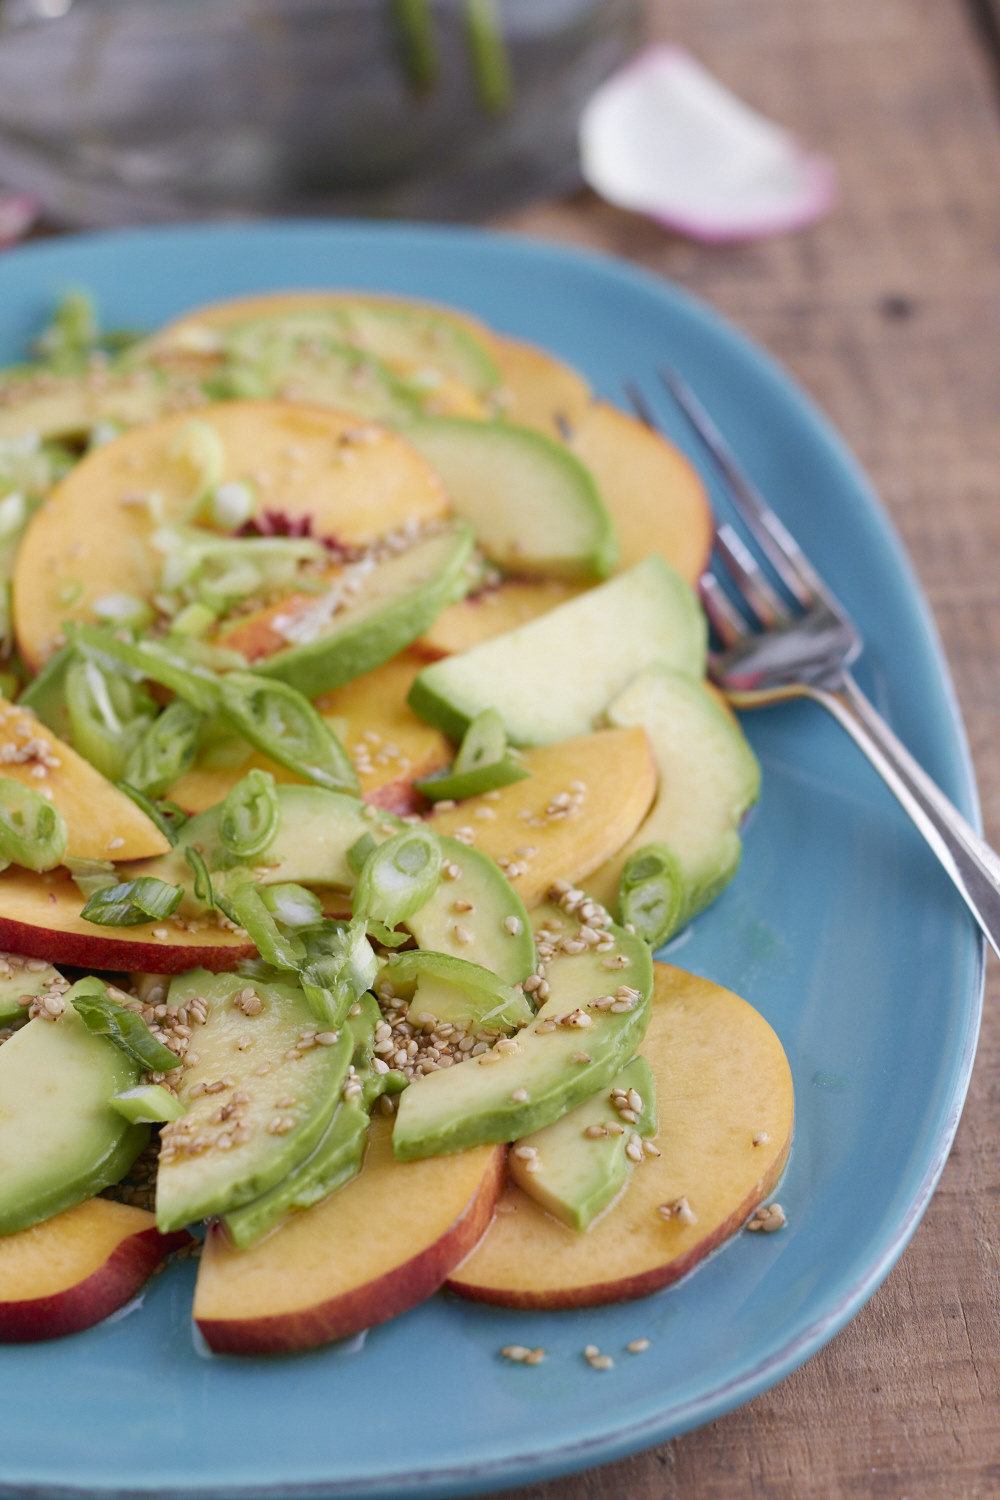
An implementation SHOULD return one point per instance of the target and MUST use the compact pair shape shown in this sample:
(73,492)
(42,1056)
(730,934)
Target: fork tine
(640,405)
(781,550)
(743,569)
(724,618)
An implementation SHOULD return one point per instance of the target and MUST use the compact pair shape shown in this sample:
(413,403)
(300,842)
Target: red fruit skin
(126,1270)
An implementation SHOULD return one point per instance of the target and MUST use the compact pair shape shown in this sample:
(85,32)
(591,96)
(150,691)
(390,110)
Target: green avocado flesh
(315,831)
(502,1096)
(256,1101)
(60,1141)
(399,599)
(454,990)
(293,359)
(424,339)
(534,507)
(340,1151)
(576,1176)
(68,406)
(479,927)
(18,980)
(551,678)
(707,779)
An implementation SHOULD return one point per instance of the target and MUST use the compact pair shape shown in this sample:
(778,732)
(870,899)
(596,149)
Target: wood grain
(889,313)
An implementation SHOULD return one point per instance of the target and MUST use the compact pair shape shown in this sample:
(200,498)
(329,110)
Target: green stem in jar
(282,723)
(166,749)
(250,816)
(415,24)
(32,832)
(490,62)
(398,878)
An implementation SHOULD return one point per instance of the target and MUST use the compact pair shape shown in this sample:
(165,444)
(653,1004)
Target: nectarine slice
(655,496)
(93,535)
(389,745)
(101,822)
(584,798)
(377,1247)
(69,1272)
(724,1094)
(40,917)
(538,389)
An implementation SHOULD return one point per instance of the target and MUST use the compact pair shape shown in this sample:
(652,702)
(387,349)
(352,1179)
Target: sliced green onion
(166,664)
(484,741)
(282,723)
(231,505)
(193,619)
(340,966)
(292,905)
(71,331)
(204,889)
(198,445)
(126,610)
(250,816)
(387,936)
(359,852)
(652,893)
(148,1104)
(132,903)
(126,1028)
(108,715)
(399,877)
(32,832)
(455,787)
(273,945)
(168,817)
(166,749)
(13,515)
(90,875)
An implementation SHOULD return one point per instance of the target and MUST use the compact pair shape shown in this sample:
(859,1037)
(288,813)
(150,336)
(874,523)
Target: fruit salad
(356,755)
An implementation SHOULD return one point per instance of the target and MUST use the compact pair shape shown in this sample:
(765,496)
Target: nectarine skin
(725,1103)
(364,1306)
(58,1311)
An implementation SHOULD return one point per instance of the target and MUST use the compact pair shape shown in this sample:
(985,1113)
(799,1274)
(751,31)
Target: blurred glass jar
(118,111)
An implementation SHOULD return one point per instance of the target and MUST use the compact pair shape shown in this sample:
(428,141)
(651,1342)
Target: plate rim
(700,1408)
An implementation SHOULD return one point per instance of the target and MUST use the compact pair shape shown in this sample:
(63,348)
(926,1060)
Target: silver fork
(774,648)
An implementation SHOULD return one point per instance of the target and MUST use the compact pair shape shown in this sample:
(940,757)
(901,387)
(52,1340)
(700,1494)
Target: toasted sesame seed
(768,1218)
(595,1132)
(517,1353)
(512,925)
(520,1096)
(327,1038)
(462,905)
(601,1362)
(580,1057)
(761,1138)
(527,1152)
(637,1346)
(590,1351)
(534,1357)
(462,934)
(633,1149)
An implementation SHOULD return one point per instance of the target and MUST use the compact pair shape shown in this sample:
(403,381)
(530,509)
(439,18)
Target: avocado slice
(419,339)
(297,359)
(688,848)
(534,507)
(339,1154)
(552,677)
(60,1141)
(398,600)
(575,1175)
(315,830)
(551,1066)
(24,976)
(256,1101)
(69,406)
(454,990)
(476,910)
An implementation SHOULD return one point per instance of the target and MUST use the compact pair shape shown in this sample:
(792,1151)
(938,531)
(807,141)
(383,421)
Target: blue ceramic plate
(840,929)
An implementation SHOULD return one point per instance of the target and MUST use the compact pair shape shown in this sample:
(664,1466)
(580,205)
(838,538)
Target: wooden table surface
(889,313)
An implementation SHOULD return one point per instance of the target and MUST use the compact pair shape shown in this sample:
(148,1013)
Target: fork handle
(972,864)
